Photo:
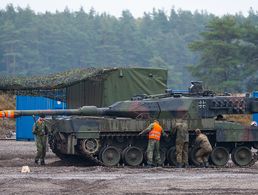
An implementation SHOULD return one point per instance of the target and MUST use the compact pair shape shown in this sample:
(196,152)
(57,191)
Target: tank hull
(94,139)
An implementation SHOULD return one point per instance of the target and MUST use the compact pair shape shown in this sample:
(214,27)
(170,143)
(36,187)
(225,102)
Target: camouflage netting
(52,86)
(52,81)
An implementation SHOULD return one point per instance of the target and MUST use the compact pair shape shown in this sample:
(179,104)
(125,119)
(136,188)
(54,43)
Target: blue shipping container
(24,124)
(255,116)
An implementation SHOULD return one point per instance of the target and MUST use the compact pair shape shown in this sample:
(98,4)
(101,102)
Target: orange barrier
(7,113)
(10,114)
(2,114)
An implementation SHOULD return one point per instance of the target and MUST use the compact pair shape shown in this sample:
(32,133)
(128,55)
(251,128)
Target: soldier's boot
(39,162)
(149,165)
(185,165)
(42,162)
(206,164)
(178,165)
(159,164)
(201,165)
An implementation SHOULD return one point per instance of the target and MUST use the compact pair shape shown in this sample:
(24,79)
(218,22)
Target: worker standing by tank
(153,150)
(40,131)
(182,143)
(204,148)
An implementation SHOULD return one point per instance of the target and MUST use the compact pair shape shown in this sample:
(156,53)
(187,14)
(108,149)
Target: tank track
(118,140)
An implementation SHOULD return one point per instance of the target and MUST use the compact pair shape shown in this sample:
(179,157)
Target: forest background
(220,51)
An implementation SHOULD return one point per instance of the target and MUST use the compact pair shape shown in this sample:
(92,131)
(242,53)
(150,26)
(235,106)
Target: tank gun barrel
(85,111)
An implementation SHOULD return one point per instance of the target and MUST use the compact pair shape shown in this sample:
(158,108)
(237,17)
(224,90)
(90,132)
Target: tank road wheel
(219,156)
(110,156)
(89,146)
(241,156)
(132,156)
(192,156)
(171,156)
(100,153)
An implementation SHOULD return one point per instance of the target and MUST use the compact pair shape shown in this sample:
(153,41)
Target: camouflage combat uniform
(40,131)
(153,152)
(153,149)
(204,150)
(182,142)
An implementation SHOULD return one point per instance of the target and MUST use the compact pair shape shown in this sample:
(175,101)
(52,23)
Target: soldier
(182,142)
(153,149)
(40,131)
(205,148)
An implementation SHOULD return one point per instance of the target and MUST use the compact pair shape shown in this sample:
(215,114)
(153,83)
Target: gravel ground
(58,177)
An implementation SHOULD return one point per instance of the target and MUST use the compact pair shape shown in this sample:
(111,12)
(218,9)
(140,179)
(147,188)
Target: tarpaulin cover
(124,83)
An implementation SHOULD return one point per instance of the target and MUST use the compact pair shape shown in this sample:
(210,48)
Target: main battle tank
(109,136)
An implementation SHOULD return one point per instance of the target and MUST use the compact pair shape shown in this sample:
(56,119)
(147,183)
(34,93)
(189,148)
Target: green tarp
(127,82)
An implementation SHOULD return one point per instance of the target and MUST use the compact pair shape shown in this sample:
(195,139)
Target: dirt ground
(58,177)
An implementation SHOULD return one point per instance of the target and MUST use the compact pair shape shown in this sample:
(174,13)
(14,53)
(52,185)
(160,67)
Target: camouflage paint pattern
(202,155)
(191,108)
(125,117)
(235,132)
(41,144)
(182,152)
(153,152)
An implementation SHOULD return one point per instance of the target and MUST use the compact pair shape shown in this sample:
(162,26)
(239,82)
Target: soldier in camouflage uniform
(153,150)
(40,131)
(205,148)
(182,142)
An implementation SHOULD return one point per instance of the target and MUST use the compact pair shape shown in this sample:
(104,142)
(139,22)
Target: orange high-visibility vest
(155,133)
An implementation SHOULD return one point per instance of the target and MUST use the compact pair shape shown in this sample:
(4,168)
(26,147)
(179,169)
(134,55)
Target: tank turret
(165,106)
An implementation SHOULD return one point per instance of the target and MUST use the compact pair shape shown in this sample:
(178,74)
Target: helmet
(254,123)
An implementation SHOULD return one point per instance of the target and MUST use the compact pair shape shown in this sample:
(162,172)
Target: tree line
(190,45)
(228,52)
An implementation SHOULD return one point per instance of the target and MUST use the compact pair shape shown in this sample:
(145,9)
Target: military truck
(109,135)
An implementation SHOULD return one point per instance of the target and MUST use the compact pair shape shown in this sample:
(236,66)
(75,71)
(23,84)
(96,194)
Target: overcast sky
(138,7)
